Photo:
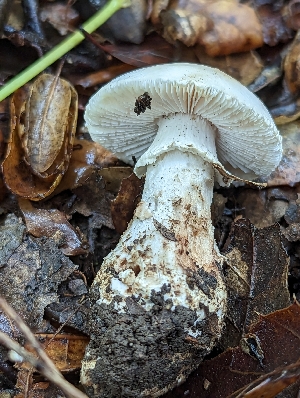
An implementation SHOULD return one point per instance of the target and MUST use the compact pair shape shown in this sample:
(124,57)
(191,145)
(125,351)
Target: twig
(62,48)
(43,364)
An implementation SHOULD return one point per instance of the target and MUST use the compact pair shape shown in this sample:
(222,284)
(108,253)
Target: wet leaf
(122,208)
(31,273)
(256,277)
(269,75)
(185,23)
(53,224)
(229,373)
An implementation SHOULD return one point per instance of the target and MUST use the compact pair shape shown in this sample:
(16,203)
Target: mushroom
(159,300)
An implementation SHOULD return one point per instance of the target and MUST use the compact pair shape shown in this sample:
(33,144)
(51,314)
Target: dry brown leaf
(87,156)
(29,388)
(47,124)
(53,224)
(62,17)
(65,350)
(34,181)
(223,27)
(256,277)
(236,28)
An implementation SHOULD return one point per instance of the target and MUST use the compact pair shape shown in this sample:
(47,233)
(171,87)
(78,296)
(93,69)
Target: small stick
(43,364)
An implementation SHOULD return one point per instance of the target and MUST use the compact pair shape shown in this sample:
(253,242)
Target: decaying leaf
(291,14)
(123,206)
(184,25)
(269,75)
(274,24)
(256,277)
(153,50)
(288,171)
(228,374)
(53,224)
(28,388)
(223,27)
(62,17)
(261,207)
(291,66)
(11,234)
(236,28)
(102,76)
(87,156)
(65,350)
(31,272)
(42,134)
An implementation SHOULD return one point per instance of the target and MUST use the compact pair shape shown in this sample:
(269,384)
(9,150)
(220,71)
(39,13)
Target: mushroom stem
(161,289)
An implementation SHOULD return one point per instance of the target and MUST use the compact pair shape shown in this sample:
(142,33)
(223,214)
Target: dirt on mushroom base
(147,352)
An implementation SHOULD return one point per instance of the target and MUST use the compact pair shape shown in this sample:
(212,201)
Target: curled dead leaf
(43,123)
(86,157)
(223,27)
(52,224)
(47,125)
(236,28)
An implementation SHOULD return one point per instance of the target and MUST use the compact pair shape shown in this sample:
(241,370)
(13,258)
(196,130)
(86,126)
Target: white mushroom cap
(247,141)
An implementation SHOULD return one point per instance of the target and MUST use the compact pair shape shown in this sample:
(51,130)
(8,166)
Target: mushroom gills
(159,300)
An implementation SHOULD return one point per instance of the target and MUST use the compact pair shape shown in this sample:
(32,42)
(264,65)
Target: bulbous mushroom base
(158,301)
(143,353)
